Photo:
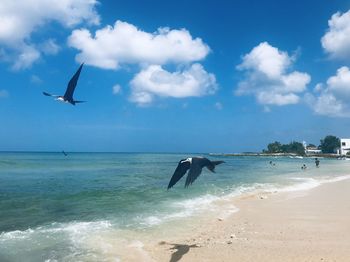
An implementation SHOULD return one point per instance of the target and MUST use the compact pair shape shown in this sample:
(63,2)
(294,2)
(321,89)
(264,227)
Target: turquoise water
(51,206)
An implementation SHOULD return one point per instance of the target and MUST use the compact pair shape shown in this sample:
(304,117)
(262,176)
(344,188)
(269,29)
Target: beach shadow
(181,250)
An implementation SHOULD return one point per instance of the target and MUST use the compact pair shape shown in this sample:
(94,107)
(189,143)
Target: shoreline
(220,223)
(333,156)
(306,225)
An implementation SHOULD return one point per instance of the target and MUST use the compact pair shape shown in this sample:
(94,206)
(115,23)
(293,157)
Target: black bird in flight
(195,165)
(68,95)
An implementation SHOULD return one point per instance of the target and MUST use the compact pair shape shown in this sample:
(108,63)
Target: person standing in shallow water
(317,162)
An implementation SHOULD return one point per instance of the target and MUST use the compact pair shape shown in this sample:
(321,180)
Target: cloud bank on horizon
(266,72)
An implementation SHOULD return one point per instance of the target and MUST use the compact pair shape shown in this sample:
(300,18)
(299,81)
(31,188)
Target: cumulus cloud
(154,81)
(50,47)
(19,20)
(112,47)
(125,43)
(26,57)
(267,77)
(336,41)
(332,99)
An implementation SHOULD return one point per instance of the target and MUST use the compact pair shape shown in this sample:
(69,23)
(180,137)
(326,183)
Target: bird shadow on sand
(181,250)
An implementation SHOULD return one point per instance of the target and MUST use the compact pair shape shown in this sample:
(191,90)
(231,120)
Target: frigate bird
(68,95)
(195,165)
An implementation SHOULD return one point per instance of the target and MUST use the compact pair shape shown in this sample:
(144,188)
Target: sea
(104,206)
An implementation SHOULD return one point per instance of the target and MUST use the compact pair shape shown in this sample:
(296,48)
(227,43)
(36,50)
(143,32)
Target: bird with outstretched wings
(68,95)
(195,166)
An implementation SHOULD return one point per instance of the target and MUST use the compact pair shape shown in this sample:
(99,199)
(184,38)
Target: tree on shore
(275,147)
(330,144)
(292,147)
(295,147)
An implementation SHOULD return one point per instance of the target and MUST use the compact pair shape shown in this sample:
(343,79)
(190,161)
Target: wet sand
(311,225)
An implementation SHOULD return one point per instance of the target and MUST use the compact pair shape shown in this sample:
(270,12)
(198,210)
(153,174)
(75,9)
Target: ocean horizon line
(107,152)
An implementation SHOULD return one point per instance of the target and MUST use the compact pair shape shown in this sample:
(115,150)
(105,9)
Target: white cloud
(112,47)
(125,43)
(332,99)
(20,19)
(318,88)
(155,81)
(271,98)
(339,84)
(336,41)
(50,47)
(3,93)
(116,89)
(26,57)
(267,60)
(267,77)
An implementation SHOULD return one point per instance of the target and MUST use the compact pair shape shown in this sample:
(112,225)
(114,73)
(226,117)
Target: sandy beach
(308,225)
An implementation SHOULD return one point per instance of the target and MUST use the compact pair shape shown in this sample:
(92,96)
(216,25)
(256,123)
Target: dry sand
(311,225)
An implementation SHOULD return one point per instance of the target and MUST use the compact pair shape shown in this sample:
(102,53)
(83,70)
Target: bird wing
(72,84)
(47,94)
(195,171)
(180,171)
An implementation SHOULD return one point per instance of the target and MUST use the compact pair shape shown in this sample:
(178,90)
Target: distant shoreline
(276,154)
(335,156)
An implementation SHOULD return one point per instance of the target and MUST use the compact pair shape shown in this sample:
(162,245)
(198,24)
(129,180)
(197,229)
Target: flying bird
(195,165)
(68,95)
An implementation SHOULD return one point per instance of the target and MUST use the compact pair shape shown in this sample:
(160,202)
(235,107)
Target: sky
(173,76)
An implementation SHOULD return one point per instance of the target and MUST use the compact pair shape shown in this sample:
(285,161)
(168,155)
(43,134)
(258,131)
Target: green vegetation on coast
(327,148)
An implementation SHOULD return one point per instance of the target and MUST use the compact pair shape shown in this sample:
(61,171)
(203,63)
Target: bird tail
(215,163)
(212,165)
(76,102)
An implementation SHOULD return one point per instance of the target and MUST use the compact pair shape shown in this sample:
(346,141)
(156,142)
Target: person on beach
(317,162)
(303,167)
(272,163)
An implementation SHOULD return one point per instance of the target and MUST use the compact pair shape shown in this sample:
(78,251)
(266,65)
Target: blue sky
(173,76)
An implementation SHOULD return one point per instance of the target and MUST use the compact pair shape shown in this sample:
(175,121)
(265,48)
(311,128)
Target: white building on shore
(344,146)
(311,149)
